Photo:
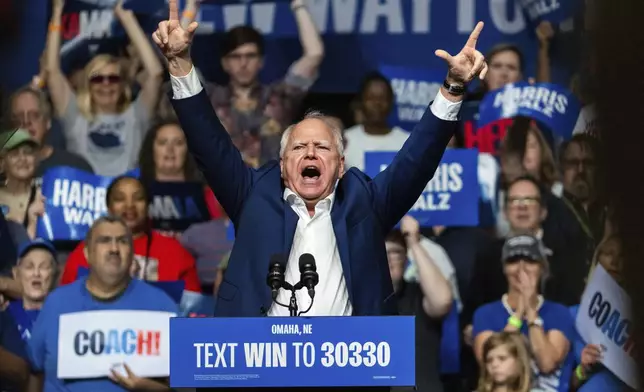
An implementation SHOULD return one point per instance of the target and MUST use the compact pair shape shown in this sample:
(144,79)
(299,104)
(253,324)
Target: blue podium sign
(292,352)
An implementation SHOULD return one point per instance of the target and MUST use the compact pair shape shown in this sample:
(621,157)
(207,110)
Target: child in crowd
(507,364)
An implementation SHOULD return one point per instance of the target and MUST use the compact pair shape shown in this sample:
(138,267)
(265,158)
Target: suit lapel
(290,223)
(341,238)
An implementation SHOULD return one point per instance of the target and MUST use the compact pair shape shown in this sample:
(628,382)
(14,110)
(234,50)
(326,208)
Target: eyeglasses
(26,117)
(109,79)
(523,201)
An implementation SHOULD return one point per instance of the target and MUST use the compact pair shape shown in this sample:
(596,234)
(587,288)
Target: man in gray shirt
(30,110)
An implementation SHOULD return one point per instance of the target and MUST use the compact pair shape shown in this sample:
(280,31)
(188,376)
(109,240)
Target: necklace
(508,308)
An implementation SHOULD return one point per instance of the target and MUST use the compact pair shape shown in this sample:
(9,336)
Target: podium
(290,352)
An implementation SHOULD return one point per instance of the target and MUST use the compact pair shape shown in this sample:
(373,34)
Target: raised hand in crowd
(36,210)
(545,32)
(132,382)
(174,41)
(410,228)
(468,63)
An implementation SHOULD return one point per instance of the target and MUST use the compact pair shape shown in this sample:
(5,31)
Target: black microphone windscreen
(307,261)
(277,258)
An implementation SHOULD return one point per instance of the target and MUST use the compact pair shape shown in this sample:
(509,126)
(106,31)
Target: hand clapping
(468,63)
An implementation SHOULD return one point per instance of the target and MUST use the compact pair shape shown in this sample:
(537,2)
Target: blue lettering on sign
(112,341)
(611,323)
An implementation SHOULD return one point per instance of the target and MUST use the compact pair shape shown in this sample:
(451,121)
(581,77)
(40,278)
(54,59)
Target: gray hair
(43,102)
(108,219)
(334,126)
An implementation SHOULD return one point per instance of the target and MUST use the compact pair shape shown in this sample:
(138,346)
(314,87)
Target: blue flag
(451,198)
(413,89)
(74,199)
(174,288)
(554,106)
(175,206)
(292,352)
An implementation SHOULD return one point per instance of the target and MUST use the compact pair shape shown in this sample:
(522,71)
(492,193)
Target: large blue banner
(451,198)
(359,35)
(551,105)
(175,206)
(292,352)
(413,89)
(74,199)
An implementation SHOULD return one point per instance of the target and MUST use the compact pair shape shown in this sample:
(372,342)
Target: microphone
(308,273)
(275,277)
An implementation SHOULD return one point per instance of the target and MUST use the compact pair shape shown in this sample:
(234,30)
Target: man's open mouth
(311,172)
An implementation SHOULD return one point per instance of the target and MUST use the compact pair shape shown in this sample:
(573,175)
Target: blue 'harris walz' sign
(451,198)
(292,352)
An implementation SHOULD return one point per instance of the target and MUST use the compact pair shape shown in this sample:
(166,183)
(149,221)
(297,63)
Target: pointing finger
(174,10)
(443,54)
(474,37)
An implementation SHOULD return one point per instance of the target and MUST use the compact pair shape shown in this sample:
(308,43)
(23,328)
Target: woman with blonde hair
(506,366)
(100,121)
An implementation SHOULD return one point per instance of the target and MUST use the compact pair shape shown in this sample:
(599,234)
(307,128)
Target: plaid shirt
(257,131)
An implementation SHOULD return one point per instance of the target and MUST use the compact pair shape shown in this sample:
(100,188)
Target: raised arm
(219,160)
(397,188)
(59,89)
(312,45)
(150,86)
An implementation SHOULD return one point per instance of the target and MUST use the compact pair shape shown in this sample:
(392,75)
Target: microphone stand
(292,306)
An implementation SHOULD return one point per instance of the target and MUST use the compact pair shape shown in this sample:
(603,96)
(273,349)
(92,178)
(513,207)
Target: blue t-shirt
(604,379)
(10,341)
(74,297)
(24,319)
(494,317)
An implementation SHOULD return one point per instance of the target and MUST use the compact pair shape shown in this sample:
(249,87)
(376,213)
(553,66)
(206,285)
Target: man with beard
(109,252)
(579,170)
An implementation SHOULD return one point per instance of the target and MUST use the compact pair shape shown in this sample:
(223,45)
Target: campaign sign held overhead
(74,199)
(552,105)
(451,198)
(292,352)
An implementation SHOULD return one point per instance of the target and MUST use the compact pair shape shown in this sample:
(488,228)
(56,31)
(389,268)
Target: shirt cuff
(186,86)
(444,108)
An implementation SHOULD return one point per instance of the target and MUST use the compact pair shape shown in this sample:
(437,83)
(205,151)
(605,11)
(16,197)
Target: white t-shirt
(359,142)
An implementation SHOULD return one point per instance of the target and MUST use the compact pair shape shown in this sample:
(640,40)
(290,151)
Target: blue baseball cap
(37,243)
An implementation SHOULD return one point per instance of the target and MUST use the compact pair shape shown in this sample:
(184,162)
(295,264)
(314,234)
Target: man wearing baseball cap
(547,325)
(36,274)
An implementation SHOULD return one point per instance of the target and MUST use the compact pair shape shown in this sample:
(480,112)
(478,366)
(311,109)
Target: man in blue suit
(306,202)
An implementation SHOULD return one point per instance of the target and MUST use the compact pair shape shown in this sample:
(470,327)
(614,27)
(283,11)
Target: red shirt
(167,261)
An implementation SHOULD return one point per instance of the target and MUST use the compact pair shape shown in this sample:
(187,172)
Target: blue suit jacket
(364,210)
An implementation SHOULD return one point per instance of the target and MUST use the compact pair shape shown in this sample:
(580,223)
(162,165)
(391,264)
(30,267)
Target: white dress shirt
(314,235)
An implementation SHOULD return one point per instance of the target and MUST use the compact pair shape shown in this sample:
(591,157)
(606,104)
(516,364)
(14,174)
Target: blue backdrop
(359,35)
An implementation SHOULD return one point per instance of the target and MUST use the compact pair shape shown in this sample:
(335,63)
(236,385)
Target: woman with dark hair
(157,258)
(525,151)
(164,158)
